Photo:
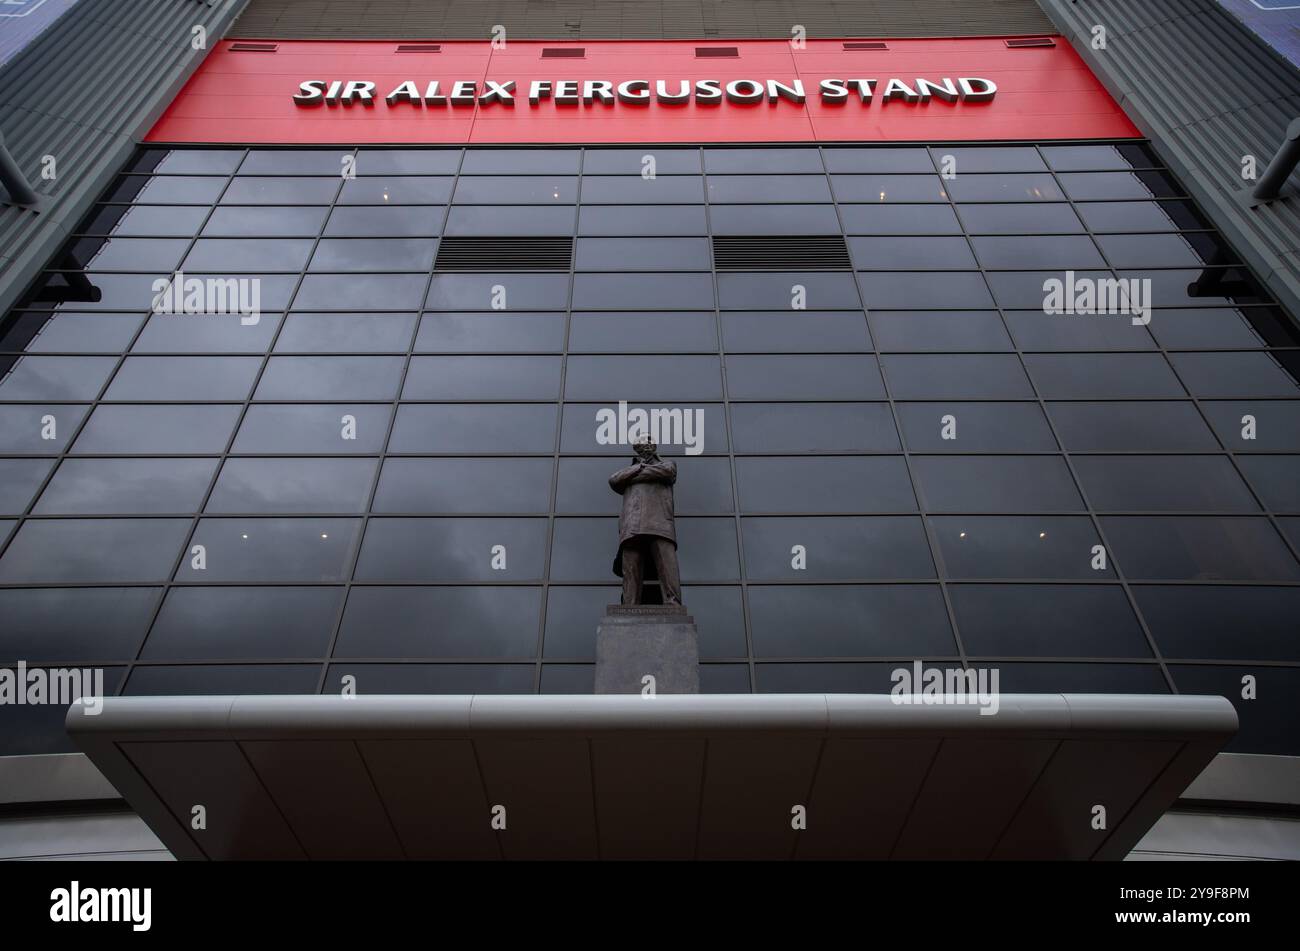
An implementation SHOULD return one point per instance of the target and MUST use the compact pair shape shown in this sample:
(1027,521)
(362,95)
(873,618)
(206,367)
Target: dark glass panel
(994,483)
(1018,546)
(452,549)
(849,621)
(73,624)
(283,486)
(127,487)
(1057,620)
(222,623)
(465,485)
(496,622)
(836,549)
(271,549)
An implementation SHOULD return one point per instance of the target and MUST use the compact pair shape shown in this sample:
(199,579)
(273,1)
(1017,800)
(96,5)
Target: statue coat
(647,490)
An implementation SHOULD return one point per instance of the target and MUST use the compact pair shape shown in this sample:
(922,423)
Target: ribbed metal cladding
(84,92)
(636,19)
(1207,92)
(504,254)
(780,253)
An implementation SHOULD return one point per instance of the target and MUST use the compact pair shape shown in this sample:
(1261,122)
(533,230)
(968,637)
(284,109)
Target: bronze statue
(645,527)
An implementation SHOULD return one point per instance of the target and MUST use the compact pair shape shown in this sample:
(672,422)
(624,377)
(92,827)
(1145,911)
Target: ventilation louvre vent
(504,254)
(419,48)
(809,252)
(866,46)
(1031,43)
(711,52)
(564,52)
(254,47)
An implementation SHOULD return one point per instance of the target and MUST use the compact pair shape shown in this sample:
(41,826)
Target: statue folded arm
(665,472)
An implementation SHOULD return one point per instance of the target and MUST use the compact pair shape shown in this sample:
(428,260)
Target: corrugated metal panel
(84,92)
(1207,92)
(635,19)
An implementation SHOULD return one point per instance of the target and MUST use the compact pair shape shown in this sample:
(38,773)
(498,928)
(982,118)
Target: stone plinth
(656,640)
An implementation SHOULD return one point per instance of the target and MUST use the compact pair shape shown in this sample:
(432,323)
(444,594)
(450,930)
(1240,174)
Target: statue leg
(632,572)
(670,582)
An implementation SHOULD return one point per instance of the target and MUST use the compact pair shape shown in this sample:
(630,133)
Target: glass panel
(142,430)
(20,480)
(1018,546)
(1057,620)
(476,378)
(71,624)
(93,550)
(281,486)
(497,622)
(844,484)
(1163,483)
(482,428)
(809,427)
(244,623)
(452,549)
(465,485)
(986,376)
(795,331)
(1131,427)
(319,428)
(849,621)
(975,427)
(126,487)
(1189,621)
(795,377)
(836,549)
(1199,548)
(270,549)
(504,333)
(995,483)
(346,333)
(162,379)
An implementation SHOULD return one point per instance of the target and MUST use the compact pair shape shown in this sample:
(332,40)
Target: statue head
(644,449)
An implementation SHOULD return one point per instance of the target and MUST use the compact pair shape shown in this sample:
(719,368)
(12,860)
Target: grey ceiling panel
(713,777)
(350,822)
(647,796)
(863,793)
(545,787)
(751,787)
(994,776)
(432,792)
(240,819)
(1057,819)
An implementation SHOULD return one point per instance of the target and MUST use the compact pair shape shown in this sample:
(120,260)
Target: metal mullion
(737,527)
(234,433)
(545,594)
(936,555)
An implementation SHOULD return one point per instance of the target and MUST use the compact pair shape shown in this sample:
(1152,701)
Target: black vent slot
(1031,43)
(866,46)
(254,47)
(504,254)
(563,52)
(711,52)
(419,48)
(800,252)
